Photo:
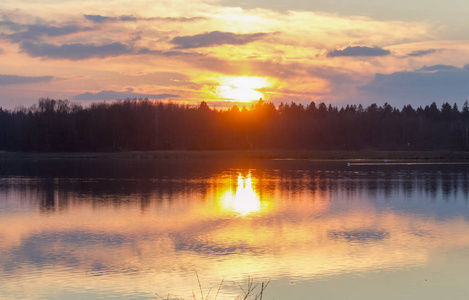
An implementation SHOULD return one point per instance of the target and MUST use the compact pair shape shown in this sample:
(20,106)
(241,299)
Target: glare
(244,201)
(242,88)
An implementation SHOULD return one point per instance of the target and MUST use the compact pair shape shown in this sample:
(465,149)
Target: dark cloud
(438,68)
(215,38)
(179,19)
(98,18)
(132,18)
(8,24)
(359,51)
(78,51)
(15,79)
(114,95)
(75,51)
(33,32)
(11,25)
(164,53)
(419,53)
(434,83)
(29,37)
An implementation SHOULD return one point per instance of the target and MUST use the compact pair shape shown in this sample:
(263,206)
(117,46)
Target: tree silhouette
(142,124)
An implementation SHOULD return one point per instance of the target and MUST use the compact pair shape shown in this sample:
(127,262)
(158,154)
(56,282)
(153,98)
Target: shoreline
(245,154)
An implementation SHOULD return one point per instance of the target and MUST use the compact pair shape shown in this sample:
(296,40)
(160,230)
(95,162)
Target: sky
(230,52)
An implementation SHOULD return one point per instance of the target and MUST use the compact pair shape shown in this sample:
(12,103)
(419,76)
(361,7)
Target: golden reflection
(244,200)
(304,235)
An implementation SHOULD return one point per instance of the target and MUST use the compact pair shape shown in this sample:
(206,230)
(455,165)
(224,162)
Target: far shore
(244,154)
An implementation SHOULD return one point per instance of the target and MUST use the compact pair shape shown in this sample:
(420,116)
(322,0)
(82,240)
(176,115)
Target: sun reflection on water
(244,200)
(233,225)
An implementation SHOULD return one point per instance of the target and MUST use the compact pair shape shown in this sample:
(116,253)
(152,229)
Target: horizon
(240,105)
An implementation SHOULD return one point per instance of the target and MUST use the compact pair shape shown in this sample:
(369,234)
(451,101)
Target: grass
(249,290)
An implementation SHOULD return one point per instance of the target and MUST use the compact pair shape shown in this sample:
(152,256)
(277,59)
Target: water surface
(126,229)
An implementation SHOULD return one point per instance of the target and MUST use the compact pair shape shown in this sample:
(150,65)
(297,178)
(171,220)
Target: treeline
(60,125)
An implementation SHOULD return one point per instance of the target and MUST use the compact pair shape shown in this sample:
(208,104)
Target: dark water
(127,229)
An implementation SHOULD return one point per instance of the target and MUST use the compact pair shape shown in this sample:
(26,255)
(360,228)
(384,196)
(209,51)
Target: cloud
(114,95)
(359,51)
(434,83)
(79,51)
(132,18)
(75,51)
(11,25)
(157,79)
(165,53)
(15,79)
(34,32)
(286,57)
(215,38)
(99,18)
(438,68)
(419,53)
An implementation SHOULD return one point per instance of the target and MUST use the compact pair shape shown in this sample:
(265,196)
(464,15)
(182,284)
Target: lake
(131,228)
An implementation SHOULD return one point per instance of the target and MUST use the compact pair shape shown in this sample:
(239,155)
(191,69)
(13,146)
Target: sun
(242,88)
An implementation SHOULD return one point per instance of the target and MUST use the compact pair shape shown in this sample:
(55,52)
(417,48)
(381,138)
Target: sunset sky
(230,52)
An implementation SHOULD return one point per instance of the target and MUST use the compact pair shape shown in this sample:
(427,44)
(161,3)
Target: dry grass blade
(219,287)
(200,285)
(249,288)
(248,291)
(208,294)
(261,293)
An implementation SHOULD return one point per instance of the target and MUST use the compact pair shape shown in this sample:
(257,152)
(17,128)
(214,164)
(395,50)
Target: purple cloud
(359,51)
(132,18)
(114,95)
(215,38)
(434,83)
(15,79)
(75,51)
(419,53)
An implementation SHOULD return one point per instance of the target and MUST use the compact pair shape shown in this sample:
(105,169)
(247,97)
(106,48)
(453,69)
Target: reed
(248,290)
